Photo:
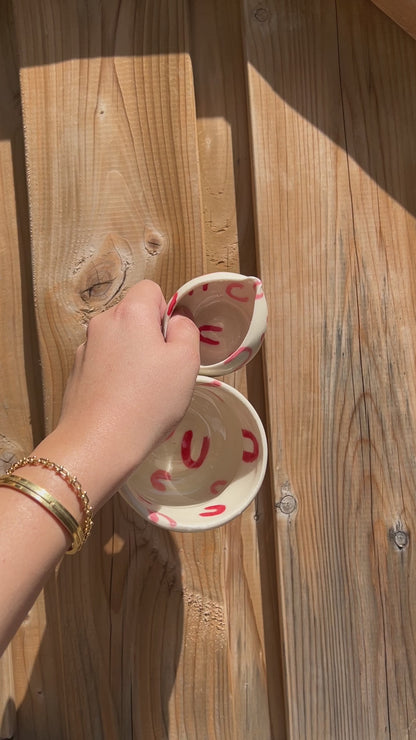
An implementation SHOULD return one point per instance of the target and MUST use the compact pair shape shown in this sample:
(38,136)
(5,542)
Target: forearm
(32,540)
(124,395)
(31,543)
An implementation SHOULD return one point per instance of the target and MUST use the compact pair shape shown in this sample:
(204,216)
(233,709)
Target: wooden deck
(164,139)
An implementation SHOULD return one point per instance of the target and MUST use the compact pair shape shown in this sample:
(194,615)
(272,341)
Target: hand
(128,389)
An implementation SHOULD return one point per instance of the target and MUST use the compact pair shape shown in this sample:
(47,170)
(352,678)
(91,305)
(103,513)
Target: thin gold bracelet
(51,504)
(69,479)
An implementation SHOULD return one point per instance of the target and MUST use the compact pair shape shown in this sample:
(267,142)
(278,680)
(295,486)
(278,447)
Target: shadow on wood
(339,41)
(127,625)
(350,78)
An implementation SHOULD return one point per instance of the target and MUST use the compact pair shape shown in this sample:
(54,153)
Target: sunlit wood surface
(164,139)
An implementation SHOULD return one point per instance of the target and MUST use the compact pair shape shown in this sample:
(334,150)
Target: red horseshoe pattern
(195,450)
(209,328)
(157,477)
(213,510)
(252,455)
(172,304)
(186,450)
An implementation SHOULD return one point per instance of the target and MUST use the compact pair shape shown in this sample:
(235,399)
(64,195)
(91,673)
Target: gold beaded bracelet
(51,504)
(69,479)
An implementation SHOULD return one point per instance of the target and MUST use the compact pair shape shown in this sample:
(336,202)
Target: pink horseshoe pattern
(258,289)
(154,516)
(231,291)
(245,352)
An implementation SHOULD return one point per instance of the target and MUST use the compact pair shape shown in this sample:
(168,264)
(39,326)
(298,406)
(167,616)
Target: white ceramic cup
(209,469)
(230,311)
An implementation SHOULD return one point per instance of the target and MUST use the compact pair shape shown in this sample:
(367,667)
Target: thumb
(181,330)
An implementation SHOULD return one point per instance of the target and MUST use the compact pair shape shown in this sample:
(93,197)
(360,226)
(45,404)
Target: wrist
(86,458)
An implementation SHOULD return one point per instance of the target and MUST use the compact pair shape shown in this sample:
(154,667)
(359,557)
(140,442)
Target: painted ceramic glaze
(230,311)
(211,467)
(209,470)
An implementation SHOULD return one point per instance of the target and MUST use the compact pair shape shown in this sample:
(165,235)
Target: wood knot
(153,242)
(102,274)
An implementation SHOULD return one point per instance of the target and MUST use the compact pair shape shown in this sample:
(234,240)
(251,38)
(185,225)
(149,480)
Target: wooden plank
(224,155)
(122,224)
(7,695)
(16,435)
(218,69)
(402,12)
(335,216)
(115,195)
(17,344)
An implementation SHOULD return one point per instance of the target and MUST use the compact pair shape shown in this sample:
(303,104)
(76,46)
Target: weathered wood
(109,129)
(15,301)
(114,195)
(224,153)
(7,695)
(331,100)
(15,429)
(219,75)
(154,635)
(242,703)
(138,148)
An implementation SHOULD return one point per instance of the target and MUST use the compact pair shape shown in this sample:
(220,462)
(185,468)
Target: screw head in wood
(287,504)
(400,539)
(261,15)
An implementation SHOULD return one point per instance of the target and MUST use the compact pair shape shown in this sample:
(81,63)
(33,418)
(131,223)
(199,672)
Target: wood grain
(115,195)
(226,191)
(168,138)
(15,339)
(15,435)
(121,120)
(335,221)
(402,12)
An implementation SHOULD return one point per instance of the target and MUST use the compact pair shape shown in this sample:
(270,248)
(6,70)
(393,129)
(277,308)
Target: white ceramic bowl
(209,469)
(230,311)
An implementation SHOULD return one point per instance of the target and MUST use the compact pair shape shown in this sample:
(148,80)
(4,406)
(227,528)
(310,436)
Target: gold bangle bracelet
(51,504)
(69,479)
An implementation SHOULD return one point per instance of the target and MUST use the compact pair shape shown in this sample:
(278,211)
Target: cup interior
(209,468)
(222,309)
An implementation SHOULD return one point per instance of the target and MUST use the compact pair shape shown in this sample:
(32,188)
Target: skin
(128,389)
